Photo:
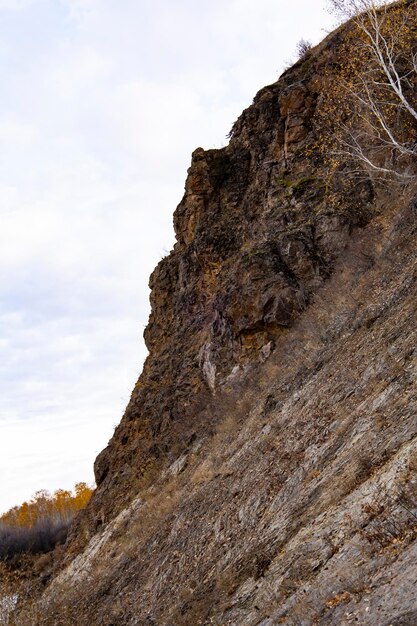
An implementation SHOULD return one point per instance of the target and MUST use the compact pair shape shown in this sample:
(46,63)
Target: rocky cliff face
(264,470)
(256,237)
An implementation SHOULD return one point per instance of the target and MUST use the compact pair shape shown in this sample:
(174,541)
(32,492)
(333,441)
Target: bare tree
(383,132)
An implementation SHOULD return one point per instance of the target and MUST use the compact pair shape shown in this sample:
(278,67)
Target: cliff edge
(264,471)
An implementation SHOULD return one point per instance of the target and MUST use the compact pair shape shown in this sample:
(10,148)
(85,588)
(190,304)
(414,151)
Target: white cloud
(13,132)
(82,10)
(16,5)
(76,70)
(8,198)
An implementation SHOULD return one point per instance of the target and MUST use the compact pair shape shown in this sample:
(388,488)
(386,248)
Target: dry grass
(203,473)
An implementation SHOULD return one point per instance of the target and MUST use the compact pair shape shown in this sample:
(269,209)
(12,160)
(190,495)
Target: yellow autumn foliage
(62,504)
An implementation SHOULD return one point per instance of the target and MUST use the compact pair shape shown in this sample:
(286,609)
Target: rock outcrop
(264,471)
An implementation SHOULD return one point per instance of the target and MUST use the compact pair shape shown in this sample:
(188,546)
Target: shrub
(39,538)
(303,48)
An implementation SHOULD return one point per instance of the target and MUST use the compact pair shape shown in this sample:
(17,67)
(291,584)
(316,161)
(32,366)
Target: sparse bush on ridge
(303,48)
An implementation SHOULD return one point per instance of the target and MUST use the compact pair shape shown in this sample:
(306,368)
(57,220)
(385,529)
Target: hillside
(264,471)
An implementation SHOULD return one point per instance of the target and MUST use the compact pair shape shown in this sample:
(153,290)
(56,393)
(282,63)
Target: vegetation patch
(37,526)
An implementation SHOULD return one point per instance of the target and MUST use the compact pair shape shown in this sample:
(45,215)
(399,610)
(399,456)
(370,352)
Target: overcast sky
(102,103)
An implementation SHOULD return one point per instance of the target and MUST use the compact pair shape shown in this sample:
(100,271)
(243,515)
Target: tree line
(39,525)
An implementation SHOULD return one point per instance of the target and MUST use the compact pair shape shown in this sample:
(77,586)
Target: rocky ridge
(264,471)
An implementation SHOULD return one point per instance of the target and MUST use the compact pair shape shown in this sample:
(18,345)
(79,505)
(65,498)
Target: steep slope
(264,470)
(256,236)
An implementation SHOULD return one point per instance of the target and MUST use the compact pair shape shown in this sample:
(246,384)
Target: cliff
(264,470)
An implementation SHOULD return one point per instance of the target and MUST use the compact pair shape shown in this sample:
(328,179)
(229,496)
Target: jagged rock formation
(264,470)
(256,237)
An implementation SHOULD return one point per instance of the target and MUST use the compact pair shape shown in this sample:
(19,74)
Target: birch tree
(382,131)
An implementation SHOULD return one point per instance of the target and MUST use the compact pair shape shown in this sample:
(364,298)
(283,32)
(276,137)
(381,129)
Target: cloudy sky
(102,103)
